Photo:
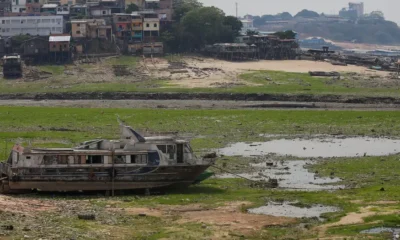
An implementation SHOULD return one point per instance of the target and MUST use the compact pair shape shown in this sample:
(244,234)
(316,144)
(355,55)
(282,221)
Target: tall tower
(237,16)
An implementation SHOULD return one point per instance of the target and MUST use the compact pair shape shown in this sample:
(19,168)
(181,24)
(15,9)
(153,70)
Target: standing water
(325,147)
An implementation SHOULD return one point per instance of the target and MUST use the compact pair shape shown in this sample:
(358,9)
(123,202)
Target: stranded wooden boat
(132,162)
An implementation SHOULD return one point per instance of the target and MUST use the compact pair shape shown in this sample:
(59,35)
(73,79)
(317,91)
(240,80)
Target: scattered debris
(86,216)
(34,74)
(324,74)
(121,70)
(7,227)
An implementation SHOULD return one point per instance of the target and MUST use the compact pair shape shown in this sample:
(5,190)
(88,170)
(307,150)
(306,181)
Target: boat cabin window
(168,149)
(119,159)
(188,148)
(95,159)
(162,148)
(179,153)
(77,159)
(139,159)
(52,160)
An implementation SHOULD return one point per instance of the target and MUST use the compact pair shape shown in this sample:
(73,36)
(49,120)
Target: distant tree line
(370,28)
(260,20)
(196,26)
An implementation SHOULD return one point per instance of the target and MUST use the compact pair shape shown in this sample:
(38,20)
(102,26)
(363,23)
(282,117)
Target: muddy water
(291,175)
(324,147)
(287,210)
(294,175)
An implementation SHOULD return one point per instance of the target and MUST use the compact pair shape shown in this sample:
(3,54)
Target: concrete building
(165,10)
(151,26)
(79,29)
(5,7)
(137,28)
(78,10)
(247,25)
(100,11)
(18,6)
(348,14)
(62,10)
(90,28)
(97,28)
(33,6)
(358,7)
(33,25)
(90,3)
(122,24)
(49,8)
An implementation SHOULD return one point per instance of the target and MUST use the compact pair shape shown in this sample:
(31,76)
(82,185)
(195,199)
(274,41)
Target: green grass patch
(366,171)
(54,69)
(303,83)
(210,128)
(392,220)
(269,82)
(354,230)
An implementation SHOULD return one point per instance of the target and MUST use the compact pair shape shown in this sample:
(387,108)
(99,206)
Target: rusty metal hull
(95,179)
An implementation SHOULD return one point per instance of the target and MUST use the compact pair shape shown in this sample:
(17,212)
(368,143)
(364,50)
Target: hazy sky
(391,8)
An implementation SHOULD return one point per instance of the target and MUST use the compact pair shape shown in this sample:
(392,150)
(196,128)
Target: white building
(18,6)
(33,25)
(62,10)
(358,7)
(99,11)
(247,25)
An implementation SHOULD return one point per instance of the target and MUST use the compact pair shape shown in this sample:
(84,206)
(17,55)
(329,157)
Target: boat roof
(165,139)
(62,151)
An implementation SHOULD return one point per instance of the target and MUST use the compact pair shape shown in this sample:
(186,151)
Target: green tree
(268,18)
(234,23)
(307,14)
(182,7)
(132,8)
(286,35)
(258,21)
(251,33)
(285,16)
(206,26)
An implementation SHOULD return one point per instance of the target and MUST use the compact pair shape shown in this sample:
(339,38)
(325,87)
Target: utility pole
(237,16)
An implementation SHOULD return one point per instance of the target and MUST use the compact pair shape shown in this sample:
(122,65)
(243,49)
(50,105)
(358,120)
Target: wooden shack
(59,47)
(36,48)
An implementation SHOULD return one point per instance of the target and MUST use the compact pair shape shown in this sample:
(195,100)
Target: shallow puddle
(381,230)
(321,147)
(291,175)
(287,210)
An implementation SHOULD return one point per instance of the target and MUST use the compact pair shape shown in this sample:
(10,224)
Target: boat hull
(96,179)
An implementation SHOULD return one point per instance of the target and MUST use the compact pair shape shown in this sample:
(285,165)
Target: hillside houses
(87,22)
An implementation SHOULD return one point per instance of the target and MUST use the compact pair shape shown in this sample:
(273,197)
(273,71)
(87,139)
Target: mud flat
(197,104)
(305,98)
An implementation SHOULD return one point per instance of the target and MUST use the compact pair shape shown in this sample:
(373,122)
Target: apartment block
(33,25)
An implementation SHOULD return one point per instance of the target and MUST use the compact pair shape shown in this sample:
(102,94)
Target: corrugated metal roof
(59,38)
(49,6)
